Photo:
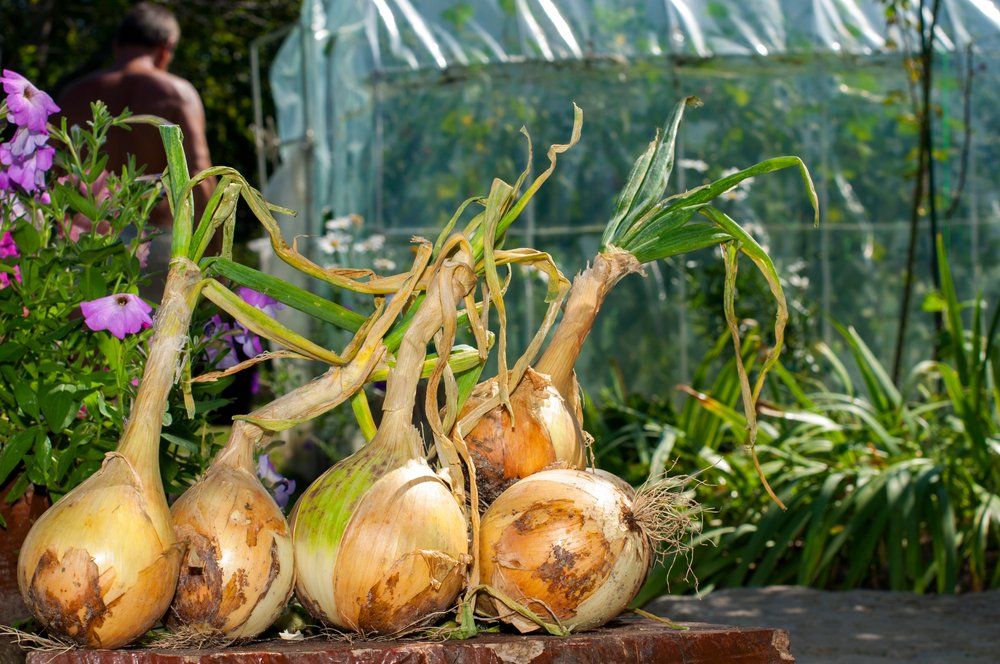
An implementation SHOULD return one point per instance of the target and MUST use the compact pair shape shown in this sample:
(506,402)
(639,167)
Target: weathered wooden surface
(624,642)
(19,516)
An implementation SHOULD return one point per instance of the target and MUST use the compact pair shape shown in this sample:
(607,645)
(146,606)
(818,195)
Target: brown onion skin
(544,433)
(564,543)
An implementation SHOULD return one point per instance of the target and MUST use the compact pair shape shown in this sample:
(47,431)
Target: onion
(543,432)
(381,543)
(100,566)
(237,572)
(574,547)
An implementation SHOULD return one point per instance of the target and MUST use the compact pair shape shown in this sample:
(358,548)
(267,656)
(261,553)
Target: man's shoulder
(164,84)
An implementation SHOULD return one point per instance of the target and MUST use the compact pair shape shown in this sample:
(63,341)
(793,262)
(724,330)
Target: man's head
(151,28)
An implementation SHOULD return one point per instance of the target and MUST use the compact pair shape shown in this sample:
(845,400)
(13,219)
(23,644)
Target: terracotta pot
(19,516)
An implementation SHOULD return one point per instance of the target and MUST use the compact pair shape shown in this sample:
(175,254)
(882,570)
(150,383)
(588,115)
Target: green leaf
(28,239)
(27,400)
(92,284)
(43,456)
(287,293)
(59,405)
(80,204)
(649,177)
(14,450)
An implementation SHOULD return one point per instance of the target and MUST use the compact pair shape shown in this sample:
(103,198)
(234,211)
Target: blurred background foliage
(54,41)
(886,487)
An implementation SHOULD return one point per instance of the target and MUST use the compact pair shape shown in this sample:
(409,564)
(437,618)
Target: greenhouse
(397,112)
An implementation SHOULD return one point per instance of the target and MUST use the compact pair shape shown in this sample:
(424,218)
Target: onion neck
(401,387)
(589,290)
(306,401)
(140,442)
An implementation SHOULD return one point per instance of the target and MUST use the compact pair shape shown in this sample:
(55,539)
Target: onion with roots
(100,566)
(538,432)
(574,548)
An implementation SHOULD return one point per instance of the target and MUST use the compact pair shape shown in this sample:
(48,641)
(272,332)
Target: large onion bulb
(237,573)
(100,566)
(378,551)
(574,545)
(544,432)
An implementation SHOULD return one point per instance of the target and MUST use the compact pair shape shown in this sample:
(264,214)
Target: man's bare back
(138,80)
(142,89)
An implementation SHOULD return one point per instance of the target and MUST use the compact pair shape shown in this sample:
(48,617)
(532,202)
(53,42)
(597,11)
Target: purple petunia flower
(281,487)
(215,327)
(247,341)
(8,248)
(119,314)
(27,159)
(27,105)
(5,279)
(25,143)
(256,299)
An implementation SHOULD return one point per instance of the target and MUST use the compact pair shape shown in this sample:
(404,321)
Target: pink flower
(28,106)
(5,277)
(119,314)
(8,248)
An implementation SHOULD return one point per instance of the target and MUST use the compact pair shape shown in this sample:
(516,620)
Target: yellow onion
(543,432)
(571,545)
(238,570)
(379,553)
(100,566)
(381,543)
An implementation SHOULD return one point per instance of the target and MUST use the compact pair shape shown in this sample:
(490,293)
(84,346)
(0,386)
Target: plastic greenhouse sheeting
(397,110)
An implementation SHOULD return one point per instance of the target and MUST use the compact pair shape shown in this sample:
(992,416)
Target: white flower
(339,223)
(693,164)
(372,244)
(384,264)
(334,242)
(798,281)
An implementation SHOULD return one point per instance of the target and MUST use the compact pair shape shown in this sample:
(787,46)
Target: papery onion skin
(379,555)
(544,432)
(238,571)
(564,541)
(115,580)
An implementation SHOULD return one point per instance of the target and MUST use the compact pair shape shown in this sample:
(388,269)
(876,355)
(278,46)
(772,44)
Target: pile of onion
(645,227)
(574,547)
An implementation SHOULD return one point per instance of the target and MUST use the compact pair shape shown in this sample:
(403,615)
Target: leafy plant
(65,389)
(885,487)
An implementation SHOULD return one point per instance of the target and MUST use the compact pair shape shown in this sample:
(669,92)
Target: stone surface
(858,626)
(626,641)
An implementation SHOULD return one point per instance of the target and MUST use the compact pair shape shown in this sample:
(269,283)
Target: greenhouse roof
(445,33)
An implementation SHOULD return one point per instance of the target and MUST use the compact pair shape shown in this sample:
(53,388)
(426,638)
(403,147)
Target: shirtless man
(138,80)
